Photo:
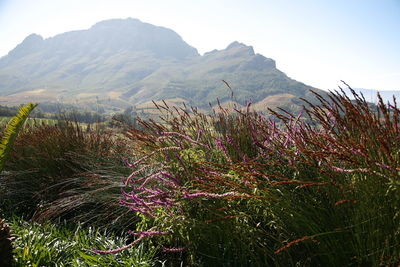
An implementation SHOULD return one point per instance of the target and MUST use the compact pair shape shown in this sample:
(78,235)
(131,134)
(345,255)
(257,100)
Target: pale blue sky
(318,42)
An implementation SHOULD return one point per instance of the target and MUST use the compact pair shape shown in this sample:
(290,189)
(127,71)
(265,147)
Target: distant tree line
(56,111)
(81,116)
(128,117)
(8,111)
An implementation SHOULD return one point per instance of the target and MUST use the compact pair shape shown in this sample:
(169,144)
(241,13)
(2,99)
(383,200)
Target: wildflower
(209,195)
(147,233)
(114,251)
(294,242)
(337,203)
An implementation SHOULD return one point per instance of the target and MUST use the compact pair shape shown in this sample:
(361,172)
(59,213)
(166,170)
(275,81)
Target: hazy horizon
(315,42)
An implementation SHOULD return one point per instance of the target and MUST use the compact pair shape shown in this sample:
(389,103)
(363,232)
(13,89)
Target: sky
(317,42)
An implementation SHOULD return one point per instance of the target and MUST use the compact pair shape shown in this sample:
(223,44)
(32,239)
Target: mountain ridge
(135,62)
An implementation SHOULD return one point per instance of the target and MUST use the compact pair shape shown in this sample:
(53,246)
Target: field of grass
(231,188)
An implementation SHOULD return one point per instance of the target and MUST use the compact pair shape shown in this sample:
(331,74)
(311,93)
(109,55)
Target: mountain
(124,62)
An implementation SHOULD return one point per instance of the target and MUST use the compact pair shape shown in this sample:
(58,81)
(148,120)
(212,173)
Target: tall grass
(64,171)
(234,188)
(242,189)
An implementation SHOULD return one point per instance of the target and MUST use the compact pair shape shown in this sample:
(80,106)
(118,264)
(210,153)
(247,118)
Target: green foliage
(192,156)
(11,131)
(62,245)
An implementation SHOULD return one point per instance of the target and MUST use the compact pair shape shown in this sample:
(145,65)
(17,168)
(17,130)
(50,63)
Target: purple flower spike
(147,233)
(199,133)
(186,137)
(209,195)
(114,251)
(384,166)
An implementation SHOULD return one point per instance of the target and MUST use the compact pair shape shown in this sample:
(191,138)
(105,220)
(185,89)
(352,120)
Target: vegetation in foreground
(64,245)
(228,189)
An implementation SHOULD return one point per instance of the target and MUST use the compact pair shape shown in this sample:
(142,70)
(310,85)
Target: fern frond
(11,131)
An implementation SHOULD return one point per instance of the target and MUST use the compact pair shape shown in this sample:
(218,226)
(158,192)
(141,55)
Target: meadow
(233,187)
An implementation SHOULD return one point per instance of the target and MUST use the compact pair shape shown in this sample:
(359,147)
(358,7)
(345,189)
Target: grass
(64,172)
(232,188)
(63,245)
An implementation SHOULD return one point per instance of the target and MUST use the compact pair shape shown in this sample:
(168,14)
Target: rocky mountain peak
(241,48)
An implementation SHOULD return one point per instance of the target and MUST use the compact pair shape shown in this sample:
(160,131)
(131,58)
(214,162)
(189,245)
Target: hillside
(124,62)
